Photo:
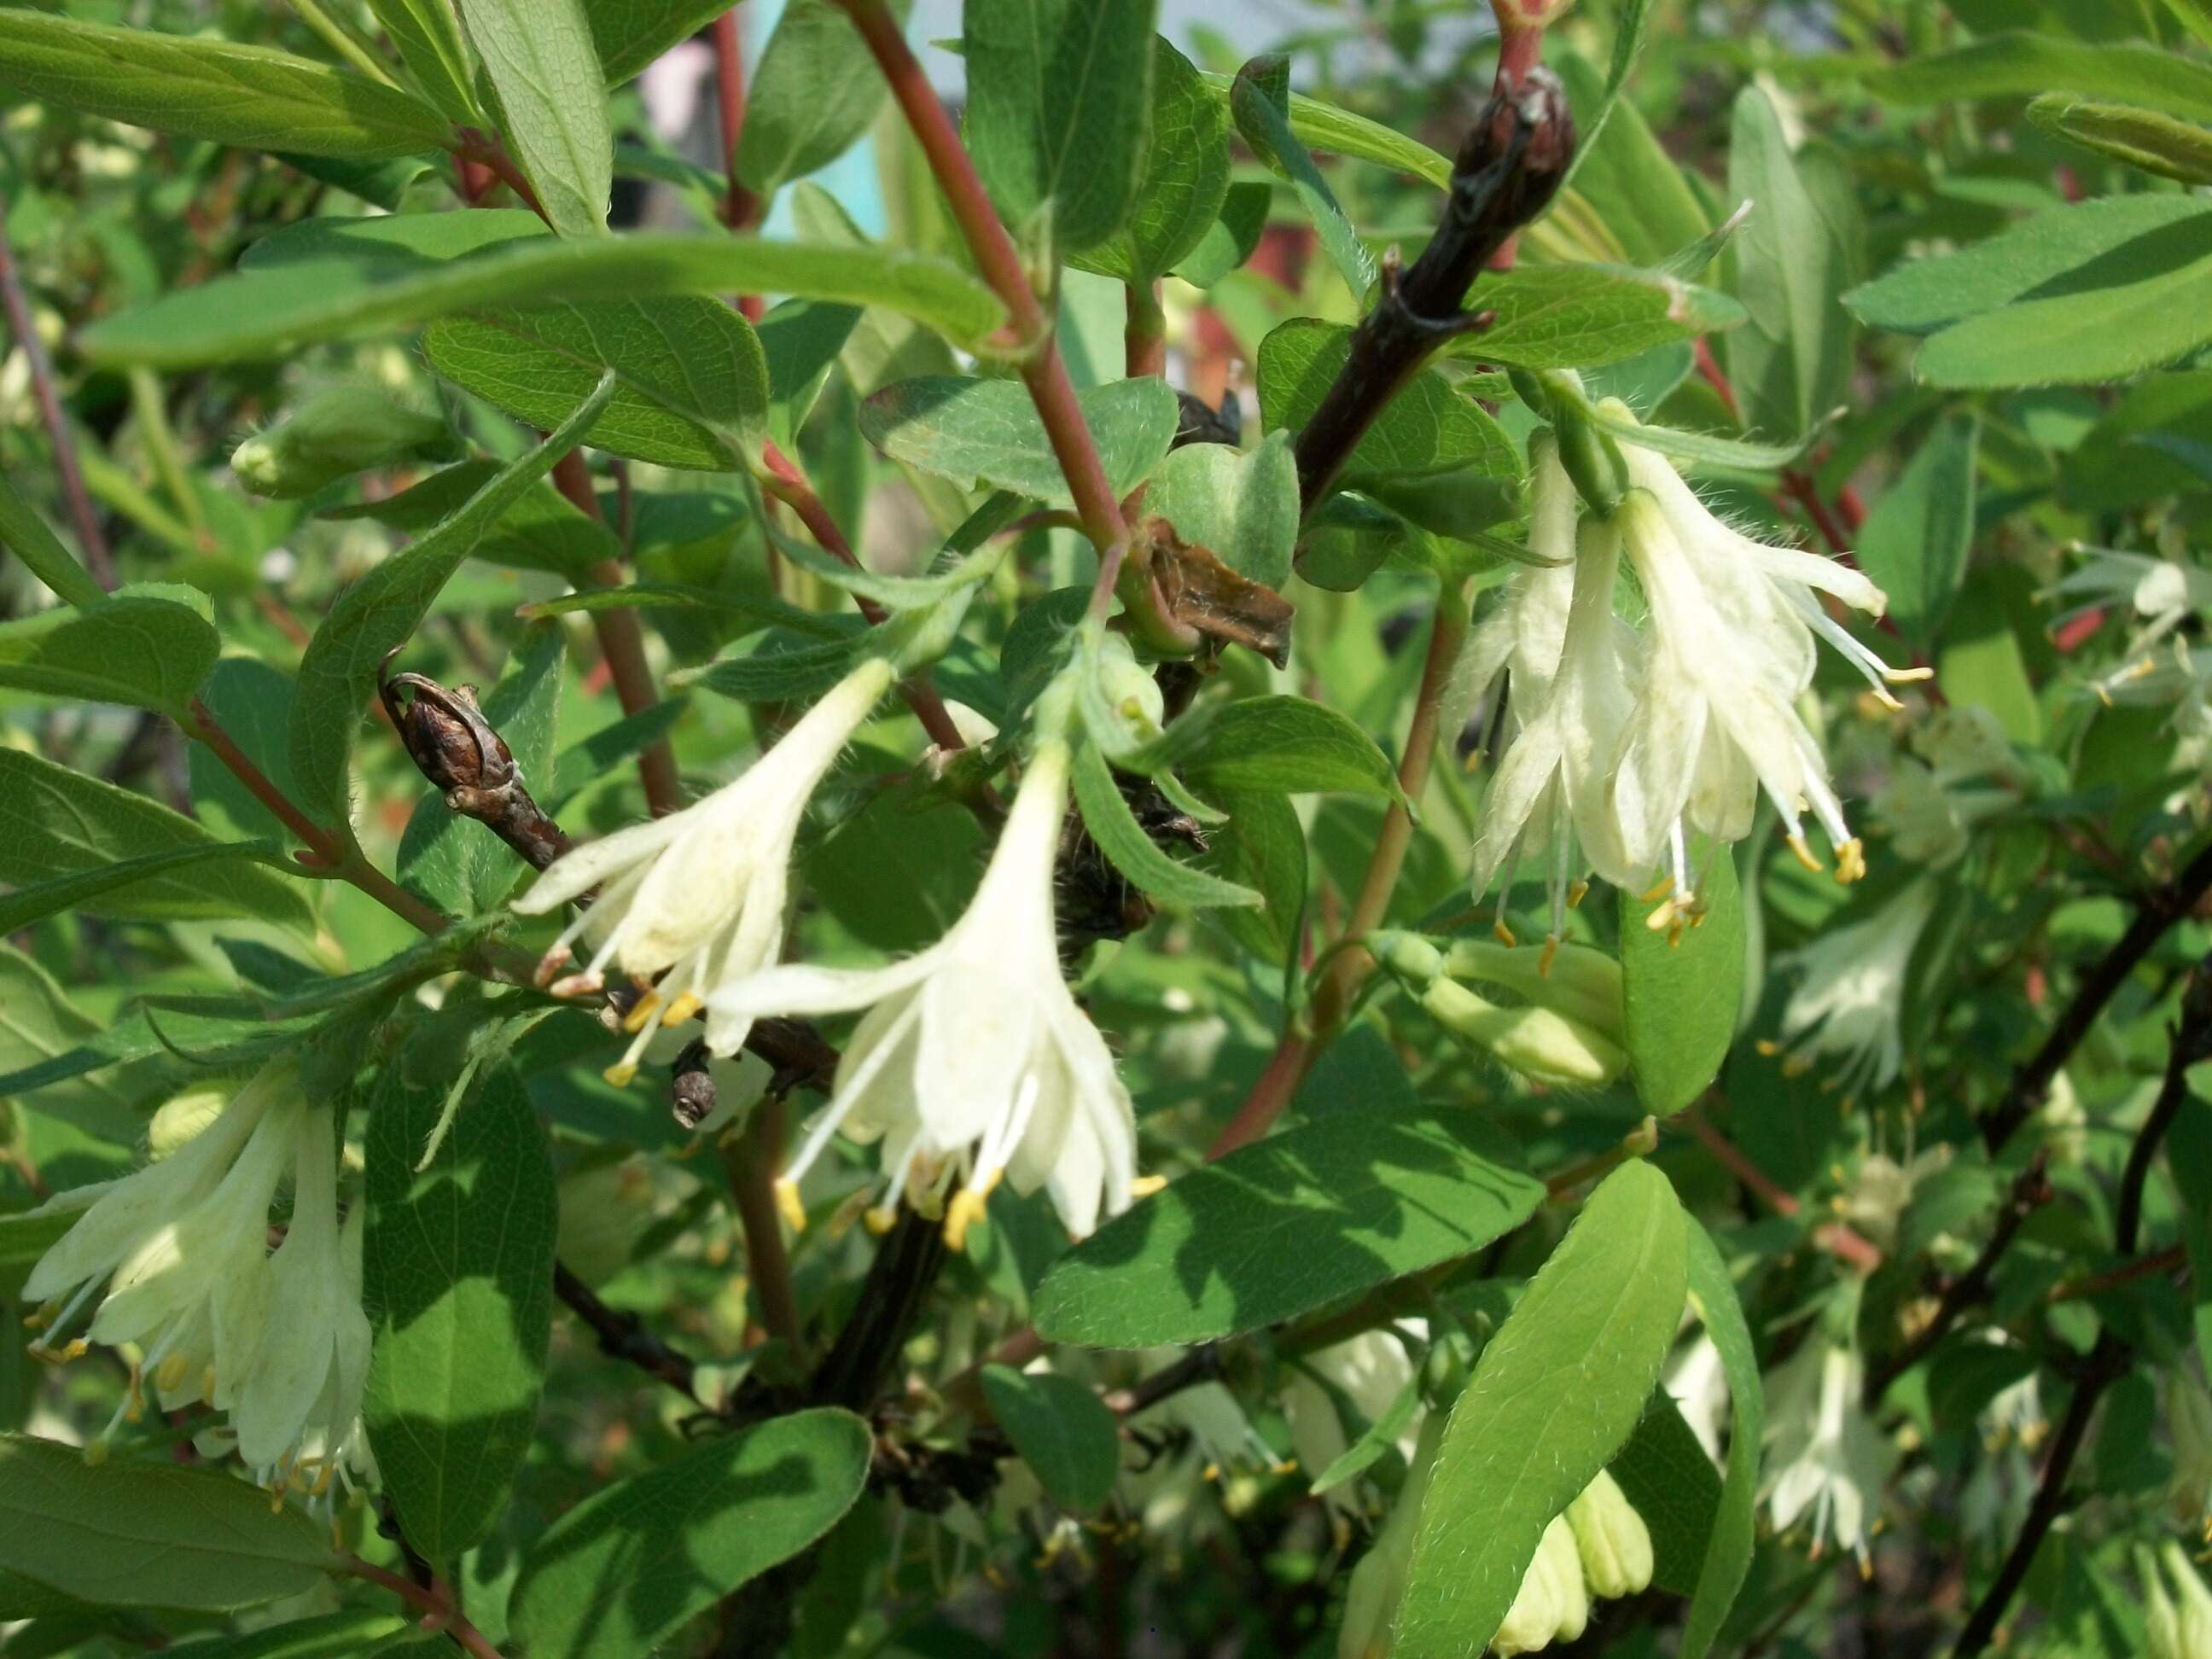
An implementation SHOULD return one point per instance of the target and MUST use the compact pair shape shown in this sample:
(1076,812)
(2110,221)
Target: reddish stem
(439,1613)
(740,207)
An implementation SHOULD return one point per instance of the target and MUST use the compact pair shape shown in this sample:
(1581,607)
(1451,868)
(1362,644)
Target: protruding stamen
(789,1205)
(641,1016)
(620,1073)
(1662,918)
(1146,1186)
(1797,844)
(880,1219)
(964,1210)
(1850,860)
(1576,891)
(1544,961)
(578,984)
(686,1007)
(1663,886)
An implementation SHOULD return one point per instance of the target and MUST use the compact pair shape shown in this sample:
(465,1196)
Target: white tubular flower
(1552,1603)
(1845,1012)
(2162,1619)
(1614,1544)
(1733,631)
(698,896)
(973,1061)
(1698,1383)
(181,1246)
(297,1405)
(1574,682)
(2162,592)
(1829,1456)
(1371,1370)
(2189,1421)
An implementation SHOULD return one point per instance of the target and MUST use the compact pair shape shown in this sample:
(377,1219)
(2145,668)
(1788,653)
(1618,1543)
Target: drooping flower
(973,1061)
(1846,1012)
(697,898)
(2176,1627)
(2162,592)
(1962,775)
(1553,1604)
(1830,1460)
(1370,1371)
(1732,639)
(1611,1538)
(2188,1422)
(176,1254)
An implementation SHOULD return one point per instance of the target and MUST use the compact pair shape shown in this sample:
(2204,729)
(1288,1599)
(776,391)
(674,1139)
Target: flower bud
(1410,957)
(1614,1544)
(180,1119)
(2188,1420)
(333,435)
(1551,1603)
(1574,979)
(2193,1604)
(1542,1046)
(1129,687)
(2161,1620)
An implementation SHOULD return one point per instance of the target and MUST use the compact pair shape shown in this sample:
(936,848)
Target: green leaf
(1627,42)
(581,764)
(1059,100)
(55,823)
(1259,103)
(1914,543)
(459,1282)
(1136,854)
(2196,17)
(338,675)
(37,1022)
(1262,845)
(352,1634)
(801,340)
(1426,428)
(1232,237)
(1553,1396)
(1623,175)
(1244,507)
(1322,1211)
(1323,126)
(542,530)
(25,533)
(2109,237)
(264,313)
(147,647)
(1728,1556)
(455,862)
(429,41)
(1681,992)
(1063,1430)
(25,1238)
(633,1562)
(1668,1479)
(772,667)
(2136,309)
(629,34)
(35,900)
(813,95)
(2137,137)
(1789,361)
(691,382)
(136,1534)
(249,97)
(1288,746)
(2024,65)
(988,431)
(1185,181)
(1583,316)
(544,75)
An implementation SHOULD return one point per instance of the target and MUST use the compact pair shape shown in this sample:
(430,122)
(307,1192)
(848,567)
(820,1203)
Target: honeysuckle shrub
(823,831)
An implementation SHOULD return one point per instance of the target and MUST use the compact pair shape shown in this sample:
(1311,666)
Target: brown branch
(623,1336)
(439,1613)
(740,207)
(2143,1267)
(907,1263)
(1201,1364)
(453,746)
(752,1162)
(97,558)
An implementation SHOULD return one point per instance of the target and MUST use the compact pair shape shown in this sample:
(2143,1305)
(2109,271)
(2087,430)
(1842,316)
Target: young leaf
(1681,992)
(1259,103)
(691,382)
(801,340)
(1624,175)
(544,74)
(1319,1212)
(1136,854)
(1727,1555)
(24,533)
(133,1533)
(262,312)
(1553,1396)
(1426,428)
(57,823)
(147,645)
(1585,316)
(1288,746)
(1914,541)
(636,1560)
(1244,507)
(2017,64)
(338,675)
(2139,138)
(1185,182)
(1062,1430)
(429,41)
(543,530)
(1788,361)
(250,96)
(1059,96)
(969,430)
(772,667)
(815,92)
(1323,126)
(459,1282)
(629,35)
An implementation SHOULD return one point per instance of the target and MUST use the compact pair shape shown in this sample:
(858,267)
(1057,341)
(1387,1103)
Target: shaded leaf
(813,95)
(543,71)
(1914,543)
(1063,1432)
(970,430)
(1136,854)
(1679,993)
(1288,746)
(149,646)
(1427,425)
(1260,101)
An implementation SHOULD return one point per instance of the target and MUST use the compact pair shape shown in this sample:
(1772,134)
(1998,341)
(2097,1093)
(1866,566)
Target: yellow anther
(620,1073)
(788,1202)
(1666,885)
(880,1218)
(1503,935)
(1283,1466)
(1850,860)
(686,1007)
(37,1320)
(641,1016)
(1906,676)
(965,1210)
(1544,961)
(171,1375)
(207,1386)
(1768,1047)
(1662,918)
(1804,854)
(1797,1065)
(1146,1186)
(1576,893)
(989,1183)
(1213,1472)
(76,1348)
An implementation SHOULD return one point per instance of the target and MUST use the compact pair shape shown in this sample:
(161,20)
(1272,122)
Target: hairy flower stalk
(697,899)
(973,1062)
(177,1257)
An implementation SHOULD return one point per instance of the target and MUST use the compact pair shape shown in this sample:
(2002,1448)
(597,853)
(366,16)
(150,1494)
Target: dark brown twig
(623,1336)
(853,1372)
(1508,167)
(1201,1364)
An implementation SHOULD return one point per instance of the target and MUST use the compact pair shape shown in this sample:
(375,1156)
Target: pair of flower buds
(1568,1030)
